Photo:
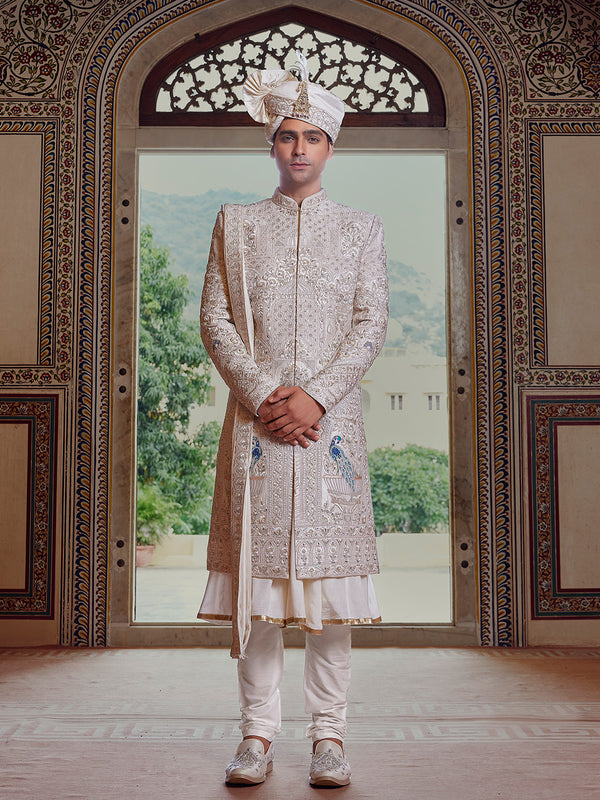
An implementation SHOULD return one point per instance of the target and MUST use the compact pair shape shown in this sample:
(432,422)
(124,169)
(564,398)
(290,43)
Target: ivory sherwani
(309,284)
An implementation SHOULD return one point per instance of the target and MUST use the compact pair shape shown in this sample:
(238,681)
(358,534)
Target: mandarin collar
(311,203)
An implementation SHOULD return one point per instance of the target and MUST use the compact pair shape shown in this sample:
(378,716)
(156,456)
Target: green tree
(155,513)
(410,488)
(175,466)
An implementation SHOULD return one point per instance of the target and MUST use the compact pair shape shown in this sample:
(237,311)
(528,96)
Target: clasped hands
(290,414)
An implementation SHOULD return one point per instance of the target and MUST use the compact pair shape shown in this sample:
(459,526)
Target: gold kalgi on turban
(273,95)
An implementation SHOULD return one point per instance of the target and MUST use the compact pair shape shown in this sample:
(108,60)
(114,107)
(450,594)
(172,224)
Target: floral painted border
(39,413)
(545,414)
(43,46)
(35,41)
(485,54)
(557,43)
(57,268)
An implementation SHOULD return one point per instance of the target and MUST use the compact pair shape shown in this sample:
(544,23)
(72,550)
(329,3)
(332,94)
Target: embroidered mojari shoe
(250,764)
(329,766)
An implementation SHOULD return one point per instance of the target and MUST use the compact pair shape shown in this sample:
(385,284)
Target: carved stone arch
(120,57)
(376,53)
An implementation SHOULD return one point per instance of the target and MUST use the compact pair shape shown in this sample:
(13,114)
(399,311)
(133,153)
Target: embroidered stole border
(242,437)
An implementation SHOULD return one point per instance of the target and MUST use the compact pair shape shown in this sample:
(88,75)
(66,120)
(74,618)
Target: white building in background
(404,394)
(405,400)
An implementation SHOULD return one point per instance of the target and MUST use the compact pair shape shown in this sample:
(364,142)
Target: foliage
(410,488)
(155,514)
(185,224)
(173,376)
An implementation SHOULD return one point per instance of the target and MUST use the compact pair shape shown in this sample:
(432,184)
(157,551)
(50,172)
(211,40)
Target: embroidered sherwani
(294,296)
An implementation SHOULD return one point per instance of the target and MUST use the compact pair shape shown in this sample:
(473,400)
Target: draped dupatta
(242,439)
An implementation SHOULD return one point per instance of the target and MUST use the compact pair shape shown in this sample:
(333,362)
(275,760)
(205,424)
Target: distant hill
(417,310)
(184,225)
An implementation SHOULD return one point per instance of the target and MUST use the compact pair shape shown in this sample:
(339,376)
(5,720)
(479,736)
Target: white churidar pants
(326,681)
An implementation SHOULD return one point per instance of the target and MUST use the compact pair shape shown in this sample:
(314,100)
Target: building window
(212,396)
(434,402)
(396,401)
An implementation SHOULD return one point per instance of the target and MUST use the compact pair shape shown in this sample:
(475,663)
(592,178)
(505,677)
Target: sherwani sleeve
(250,385)
(367,333)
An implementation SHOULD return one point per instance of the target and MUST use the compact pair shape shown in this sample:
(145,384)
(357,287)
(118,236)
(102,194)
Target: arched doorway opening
(222,132)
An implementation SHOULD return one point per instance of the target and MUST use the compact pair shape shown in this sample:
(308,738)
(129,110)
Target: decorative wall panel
(565,241)
(27,231)
(562,582)
(31,421)
(14,502)
(20,167)
(572,244)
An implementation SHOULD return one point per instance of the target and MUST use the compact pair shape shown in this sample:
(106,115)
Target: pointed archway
(159,127)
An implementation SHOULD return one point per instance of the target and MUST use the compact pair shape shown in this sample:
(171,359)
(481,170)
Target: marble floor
(425,724)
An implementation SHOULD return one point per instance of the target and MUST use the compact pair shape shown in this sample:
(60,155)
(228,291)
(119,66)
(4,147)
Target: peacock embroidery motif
(342,461)
(255,454)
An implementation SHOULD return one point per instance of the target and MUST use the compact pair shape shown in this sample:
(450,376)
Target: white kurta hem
(310,604)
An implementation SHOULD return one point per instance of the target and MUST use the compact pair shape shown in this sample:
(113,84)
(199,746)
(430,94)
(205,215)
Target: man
(294,311)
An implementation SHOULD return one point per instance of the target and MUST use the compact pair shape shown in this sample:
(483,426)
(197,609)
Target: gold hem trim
(299,621)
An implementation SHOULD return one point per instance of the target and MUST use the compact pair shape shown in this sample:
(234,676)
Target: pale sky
(407,190)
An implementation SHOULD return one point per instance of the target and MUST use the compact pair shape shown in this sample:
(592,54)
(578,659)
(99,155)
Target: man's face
(300,150)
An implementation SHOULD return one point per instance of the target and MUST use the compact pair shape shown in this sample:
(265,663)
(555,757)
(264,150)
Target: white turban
(273,95)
